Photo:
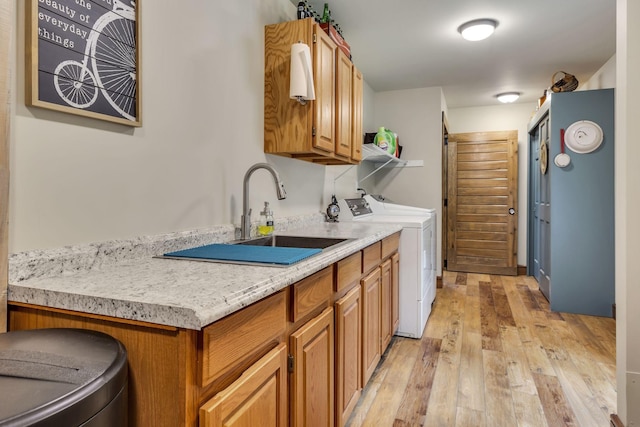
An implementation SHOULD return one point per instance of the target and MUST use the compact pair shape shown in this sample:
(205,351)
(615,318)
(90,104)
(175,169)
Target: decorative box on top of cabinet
(327,130)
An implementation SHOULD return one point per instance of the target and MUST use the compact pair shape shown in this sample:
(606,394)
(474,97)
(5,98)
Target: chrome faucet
(245,221)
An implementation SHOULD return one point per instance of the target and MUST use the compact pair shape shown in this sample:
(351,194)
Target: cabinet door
(357,85)
(324,75)
(311,383)
(348,354)
(385,305)
(370,324)
(258,397)
(343,104)
(395,293)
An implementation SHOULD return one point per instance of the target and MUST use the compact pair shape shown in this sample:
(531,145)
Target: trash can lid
(63,376)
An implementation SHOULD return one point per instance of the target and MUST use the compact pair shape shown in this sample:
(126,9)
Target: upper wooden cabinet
(344,106)
(327,129)
(357,88)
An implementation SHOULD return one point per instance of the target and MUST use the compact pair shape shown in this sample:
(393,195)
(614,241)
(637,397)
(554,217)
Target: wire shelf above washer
(375,154)
(380,158)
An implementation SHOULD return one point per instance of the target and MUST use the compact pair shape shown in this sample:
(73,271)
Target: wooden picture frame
(83,58)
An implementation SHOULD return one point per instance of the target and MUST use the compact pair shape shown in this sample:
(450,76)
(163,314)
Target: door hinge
(290,363)
(315,39)
(446,201)
(313,131)
(445,263)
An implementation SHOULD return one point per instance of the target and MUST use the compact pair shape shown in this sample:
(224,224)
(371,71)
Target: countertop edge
(91,297)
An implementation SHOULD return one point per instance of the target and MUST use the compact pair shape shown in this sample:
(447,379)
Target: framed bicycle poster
(83,58)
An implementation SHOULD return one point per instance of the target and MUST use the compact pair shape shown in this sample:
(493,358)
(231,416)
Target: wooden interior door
(482,234)
(6,25)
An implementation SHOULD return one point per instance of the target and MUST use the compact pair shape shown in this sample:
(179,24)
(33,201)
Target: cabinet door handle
(512,211)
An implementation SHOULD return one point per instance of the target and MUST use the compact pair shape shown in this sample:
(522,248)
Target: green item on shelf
(386,140)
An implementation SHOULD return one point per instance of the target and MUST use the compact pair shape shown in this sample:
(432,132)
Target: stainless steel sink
(294,242)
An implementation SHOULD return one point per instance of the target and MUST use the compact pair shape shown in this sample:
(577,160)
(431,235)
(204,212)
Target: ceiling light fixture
(508,97)
(478,29)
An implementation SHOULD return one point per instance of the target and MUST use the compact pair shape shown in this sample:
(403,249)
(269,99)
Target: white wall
(500,118)
(77,180)
(627,207)
(604,78)
(416,115)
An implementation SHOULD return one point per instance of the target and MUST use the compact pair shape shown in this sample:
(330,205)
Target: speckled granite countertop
(122,279)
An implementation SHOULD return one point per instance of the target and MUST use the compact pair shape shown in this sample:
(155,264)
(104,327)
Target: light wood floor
(493,355)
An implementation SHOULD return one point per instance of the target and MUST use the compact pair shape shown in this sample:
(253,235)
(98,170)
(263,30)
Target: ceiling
(406,44)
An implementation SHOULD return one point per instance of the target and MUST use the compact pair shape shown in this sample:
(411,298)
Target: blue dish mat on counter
(247,253)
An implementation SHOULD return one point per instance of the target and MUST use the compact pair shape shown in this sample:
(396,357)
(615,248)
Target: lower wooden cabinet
(395,293)
(311,383)
(348,354)
(386,321)
(257,398)
(282,361)
(370,323)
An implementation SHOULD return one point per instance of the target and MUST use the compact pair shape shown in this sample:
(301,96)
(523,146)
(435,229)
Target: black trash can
(62,377)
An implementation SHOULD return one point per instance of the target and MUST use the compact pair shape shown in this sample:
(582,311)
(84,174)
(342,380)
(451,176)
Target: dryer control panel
(356,208)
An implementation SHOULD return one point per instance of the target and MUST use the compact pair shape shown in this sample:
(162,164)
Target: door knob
(512,211)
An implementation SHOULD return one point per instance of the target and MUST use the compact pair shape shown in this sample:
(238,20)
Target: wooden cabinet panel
(310,293)
(324,75)
(390,244)
(159,359)
(386,322)
(348,271)
(357,136)
(343,104)
(348,354)
(371,257)
(395,293)
(312,380)
(257,398)
(287,124)
(239,335)
(370,324)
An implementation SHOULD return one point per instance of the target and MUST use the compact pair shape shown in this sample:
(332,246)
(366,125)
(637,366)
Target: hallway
(493,354)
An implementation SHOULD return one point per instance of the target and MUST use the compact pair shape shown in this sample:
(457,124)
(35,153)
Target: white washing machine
(417,275)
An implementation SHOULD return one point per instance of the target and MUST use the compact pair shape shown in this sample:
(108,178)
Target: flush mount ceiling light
(508,97)
(478,29)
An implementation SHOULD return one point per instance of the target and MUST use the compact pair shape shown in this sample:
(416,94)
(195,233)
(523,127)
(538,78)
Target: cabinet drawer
(232,339)
(311,293)
(348,271)
(371,257)
(390,244)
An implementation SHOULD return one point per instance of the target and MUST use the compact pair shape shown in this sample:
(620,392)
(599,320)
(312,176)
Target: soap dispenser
(265,228)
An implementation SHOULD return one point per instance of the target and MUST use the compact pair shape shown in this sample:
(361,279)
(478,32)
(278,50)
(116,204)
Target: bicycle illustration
(111,54)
